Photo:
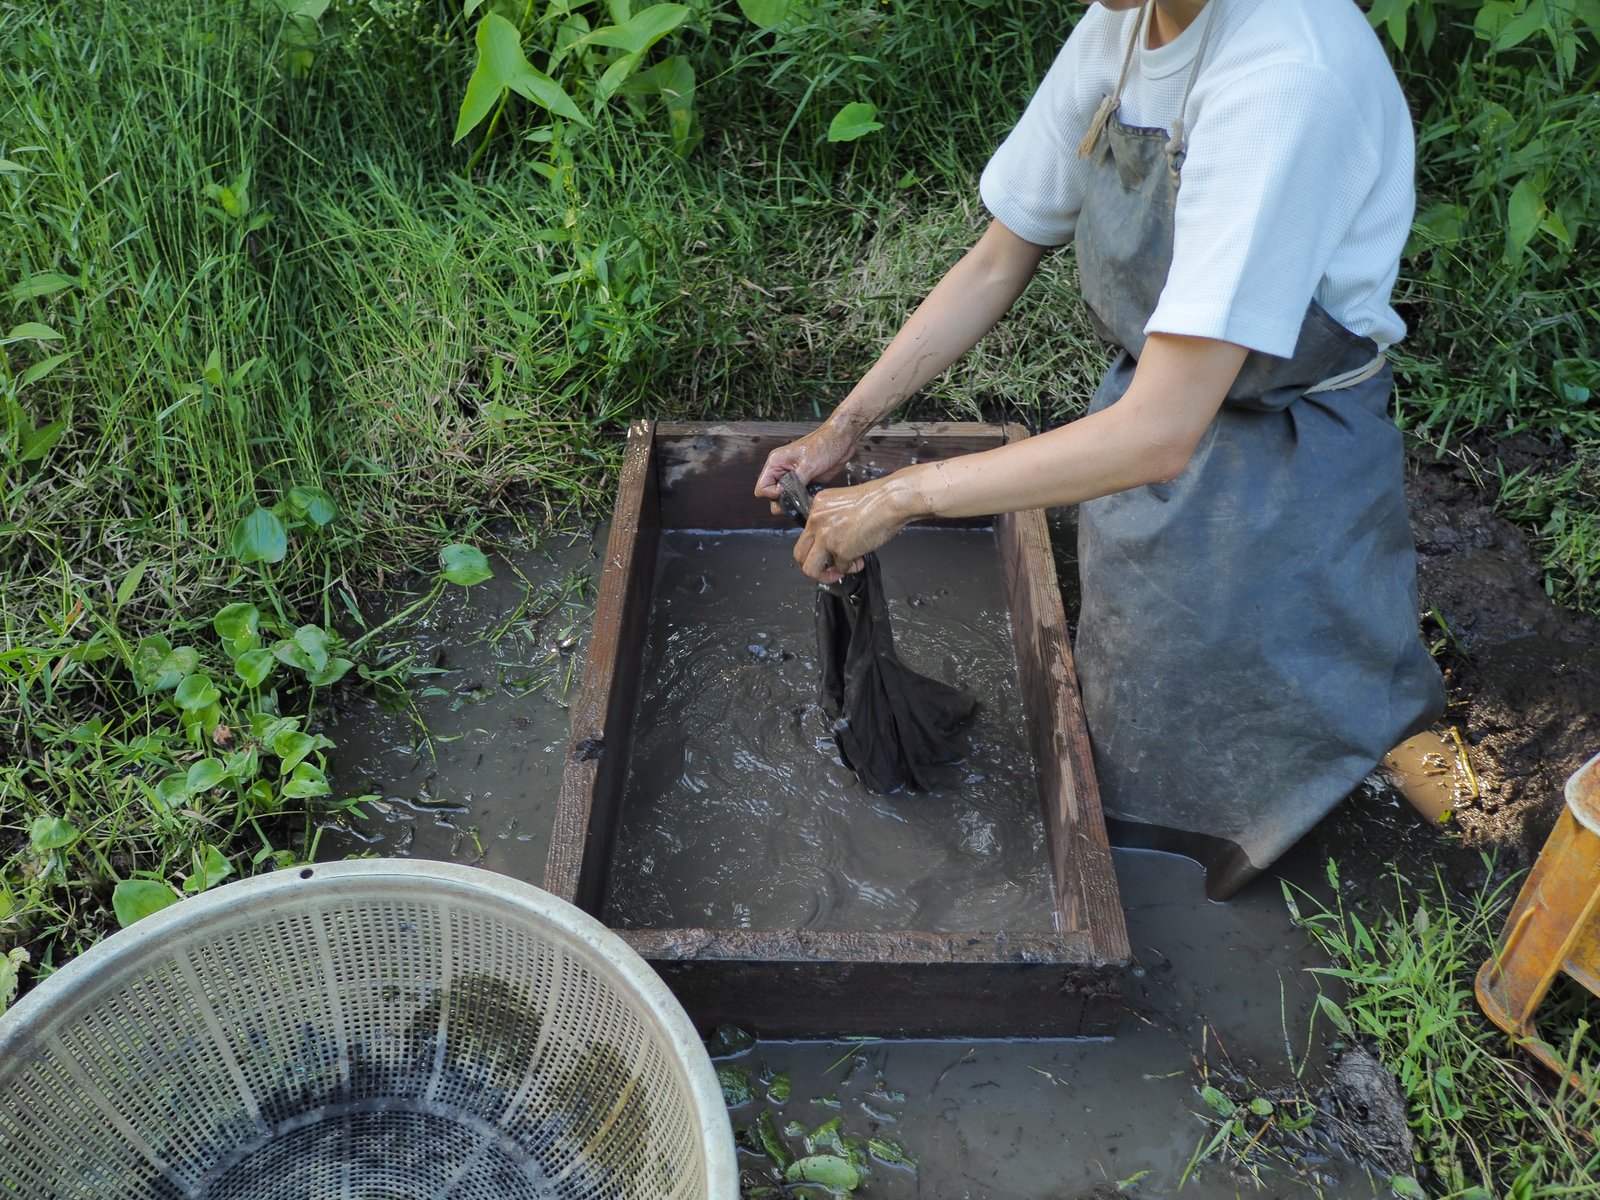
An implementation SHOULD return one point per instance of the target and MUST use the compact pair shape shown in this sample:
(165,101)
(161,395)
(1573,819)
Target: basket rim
(71,987)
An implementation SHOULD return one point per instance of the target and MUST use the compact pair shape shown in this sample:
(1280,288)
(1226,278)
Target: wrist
(907,494)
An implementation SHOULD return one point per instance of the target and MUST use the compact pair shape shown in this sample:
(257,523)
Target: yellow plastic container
(1554,926)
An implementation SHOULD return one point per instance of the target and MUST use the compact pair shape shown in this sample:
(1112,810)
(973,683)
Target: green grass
(1487,1120)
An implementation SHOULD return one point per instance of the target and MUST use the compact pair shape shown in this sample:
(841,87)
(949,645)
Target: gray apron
(1248,645)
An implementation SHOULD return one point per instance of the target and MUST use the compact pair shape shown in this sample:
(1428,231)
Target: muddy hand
(848,523)
(816,456)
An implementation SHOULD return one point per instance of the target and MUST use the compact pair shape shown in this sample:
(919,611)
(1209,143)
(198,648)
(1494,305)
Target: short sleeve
(1279,166)
(1033,185)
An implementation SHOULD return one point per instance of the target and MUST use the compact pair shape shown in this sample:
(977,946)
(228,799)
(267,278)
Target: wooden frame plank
(898,983)
(602,720)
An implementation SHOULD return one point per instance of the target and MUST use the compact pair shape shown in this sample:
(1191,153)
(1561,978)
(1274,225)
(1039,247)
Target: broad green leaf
(1406,1188)
(643,29)
(253,666)
(46,283)
(30,331)
(293,747)
(313,504)
(7,167)
(11,961)
(148,656)
(854,120)
(463,564)
(825,1169)
(888,1152)
(501,65)
(260,537)
(178,663)
(672,80)
(736,1087)
(213,868)
(764,14)
(135,899)
(291,655)
(237,622)
(130,583)
(51,833)
(173,791)
(196,692)
(205,775)
(766,1133)
(36,444)
(305,783)
(313,639)
(1261,1107)
(41,368)
(1521,27)
(1524,211)
(336,669)
(1217,1101)
(617,74)
(471,7)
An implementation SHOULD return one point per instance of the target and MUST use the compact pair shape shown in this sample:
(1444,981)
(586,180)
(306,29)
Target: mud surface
(465,766)
(740,814)
(1220,999)
(1523,673)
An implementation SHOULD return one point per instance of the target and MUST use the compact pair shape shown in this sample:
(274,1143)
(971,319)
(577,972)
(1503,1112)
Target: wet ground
(467,770)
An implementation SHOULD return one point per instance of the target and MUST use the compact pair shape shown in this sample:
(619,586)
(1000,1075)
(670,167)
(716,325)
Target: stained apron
(1248,644)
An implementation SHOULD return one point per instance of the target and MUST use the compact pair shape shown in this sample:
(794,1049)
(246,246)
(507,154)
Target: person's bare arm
(973,295)
(1146,437)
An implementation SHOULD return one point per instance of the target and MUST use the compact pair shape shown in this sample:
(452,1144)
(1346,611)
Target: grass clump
(1487,1122)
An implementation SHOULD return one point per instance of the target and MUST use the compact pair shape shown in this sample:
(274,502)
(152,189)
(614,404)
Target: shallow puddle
(469,768)
(740,814)
(1219,988)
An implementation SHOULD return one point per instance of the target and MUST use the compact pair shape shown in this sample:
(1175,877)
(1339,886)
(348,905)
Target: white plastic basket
(390,1029)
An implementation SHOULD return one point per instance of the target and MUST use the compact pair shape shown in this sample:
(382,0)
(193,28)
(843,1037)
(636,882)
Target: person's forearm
(1146,437)
(973,295)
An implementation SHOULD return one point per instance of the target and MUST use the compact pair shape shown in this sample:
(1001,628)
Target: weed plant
(1488,1122)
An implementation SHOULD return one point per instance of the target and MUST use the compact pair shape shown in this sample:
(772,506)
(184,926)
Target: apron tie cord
(1108,106)
(1178,143)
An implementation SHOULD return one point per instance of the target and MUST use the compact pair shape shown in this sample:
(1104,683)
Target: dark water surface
(739,813)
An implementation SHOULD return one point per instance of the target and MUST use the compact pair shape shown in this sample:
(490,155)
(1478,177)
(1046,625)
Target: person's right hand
(818,455)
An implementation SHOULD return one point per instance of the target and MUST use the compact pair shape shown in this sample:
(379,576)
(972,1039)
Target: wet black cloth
(893,726)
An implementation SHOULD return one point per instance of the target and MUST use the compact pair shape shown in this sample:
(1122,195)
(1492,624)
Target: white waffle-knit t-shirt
(1298,181)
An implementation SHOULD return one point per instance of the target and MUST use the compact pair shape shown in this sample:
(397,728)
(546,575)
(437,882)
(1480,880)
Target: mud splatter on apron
(1248,645)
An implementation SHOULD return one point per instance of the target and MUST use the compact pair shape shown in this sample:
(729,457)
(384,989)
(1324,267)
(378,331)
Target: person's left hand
(848,523)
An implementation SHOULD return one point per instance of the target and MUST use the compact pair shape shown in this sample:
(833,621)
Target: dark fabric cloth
(894,727)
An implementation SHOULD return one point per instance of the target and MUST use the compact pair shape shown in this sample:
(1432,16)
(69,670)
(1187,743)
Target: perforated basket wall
(390,1029)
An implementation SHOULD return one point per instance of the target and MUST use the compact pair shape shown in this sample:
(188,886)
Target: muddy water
(467,770)
(739,812)
(1220,994)
(468,767)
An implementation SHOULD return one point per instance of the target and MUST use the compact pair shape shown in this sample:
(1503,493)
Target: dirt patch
(1523,672)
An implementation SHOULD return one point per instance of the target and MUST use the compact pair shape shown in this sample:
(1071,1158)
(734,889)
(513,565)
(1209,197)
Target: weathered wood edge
(1071,948)
(1087,897)
(707,471)
(603,718)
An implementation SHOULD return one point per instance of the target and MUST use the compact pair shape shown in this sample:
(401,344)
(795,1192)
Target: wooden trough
(818,982)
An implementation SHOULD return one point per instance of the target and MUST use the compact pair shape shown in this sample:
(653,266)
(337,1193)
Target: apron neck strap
(1178,143)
